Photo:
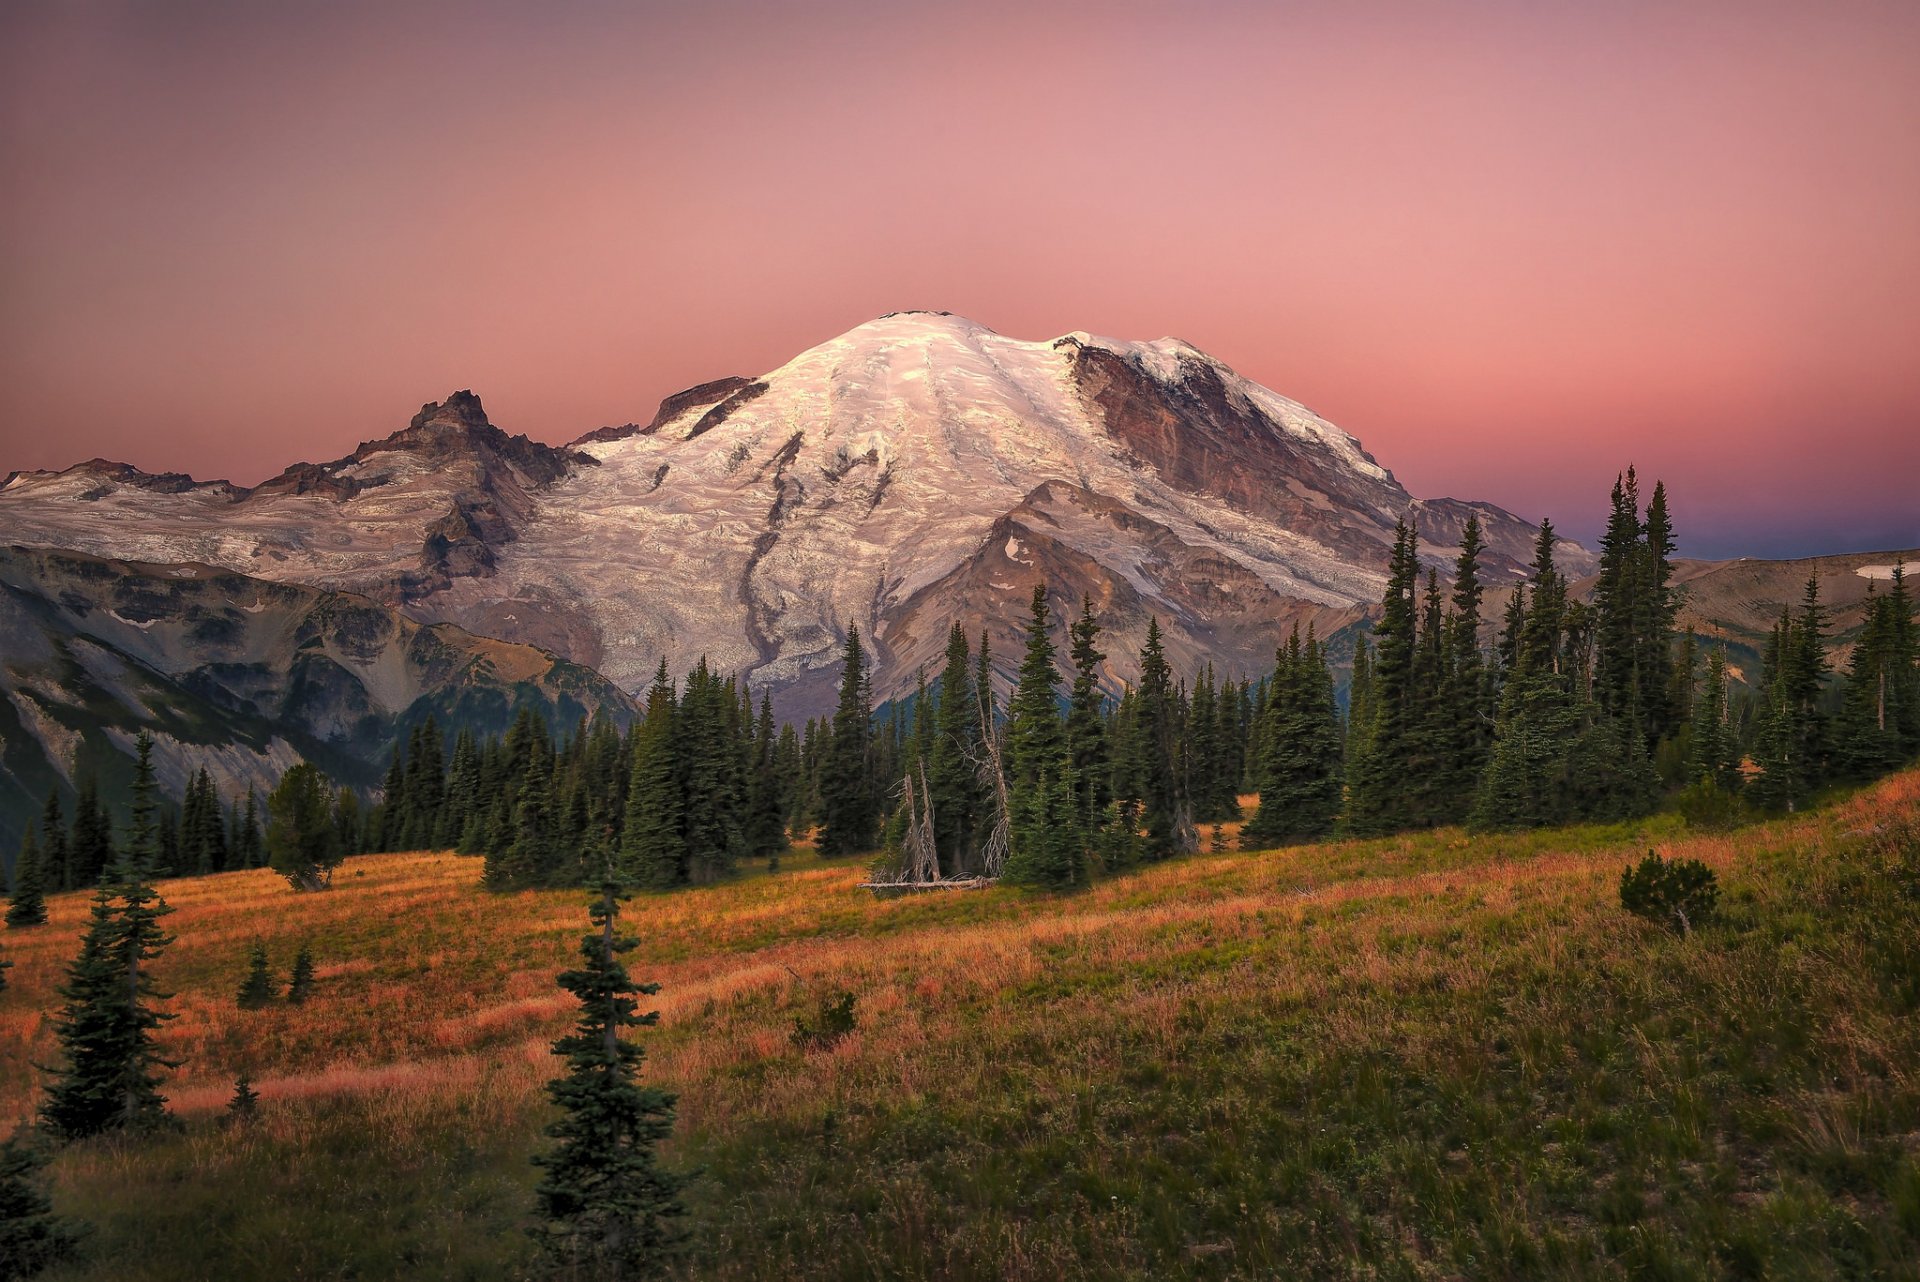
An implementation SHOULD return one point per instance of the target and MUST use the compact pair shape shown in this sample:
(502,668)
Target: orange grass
(436,1004)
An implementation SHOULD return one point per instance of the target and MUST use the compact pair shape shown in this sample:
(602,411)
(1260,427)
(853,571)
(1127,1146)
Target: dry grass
(1420,1057)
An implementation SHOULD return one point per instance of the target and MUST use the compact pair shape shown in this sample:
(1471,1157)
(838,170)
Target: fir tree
(710,783)
(28,905)
(1379,757)
(55,849)
(652,853)
(1087,753)
(607,1208)
(32,1237)
(1035,739)
(258,988)
(1715,754)
(300,988)
(1050,851)
(766,816)
(108,1078)
(849,816)
(245,1104)
(301,843)
(92,849)
(1164,811)
(1299,770)
(953,773)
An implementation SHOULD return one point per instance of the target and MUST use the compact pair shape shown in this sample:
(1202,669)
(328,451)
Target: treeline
(1564,710)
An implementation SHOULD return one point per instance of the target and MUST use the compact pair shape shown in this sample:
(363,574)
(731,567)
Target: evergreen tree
(245,1104)
(1087,753)
(28,905)
(1050,851)
(92,853)
(32,1237)
(607,1208)
(1164,807)
(109,1075)
(1715,753)
(1299,770)
(301,843)
(1034,736)
(1525,783)
(55,849)
(1379,758)
(1466,697)
(766,815)
(653,854)
(850,819)
(258,988)
(301,985)
(953,772)
(710,782)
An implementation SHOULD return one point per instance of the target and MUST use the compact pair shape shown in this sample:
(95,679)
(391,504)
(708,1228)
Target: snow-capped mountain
(918,469)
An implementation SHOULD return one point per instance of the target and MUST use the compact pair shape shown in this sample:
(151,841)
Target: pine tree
(55,848)
(1467,693)
(766,816)
(1715,754)
(1050,851)
(1164,807)
(710,782)
(850,819)
(607,1209)
(301,843)
(109,1076)
(1299,770)
(1086,723)
(245,1104)
(1035,738)
(28,905)
(32,1237)
(92,853)
(1379,757)
(653,854)
(301,985)
(952,772)
(258,988)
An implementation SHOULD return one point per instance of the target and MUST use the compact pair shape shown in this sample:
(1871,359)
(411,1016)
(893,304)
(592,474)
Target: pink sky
(1510,246)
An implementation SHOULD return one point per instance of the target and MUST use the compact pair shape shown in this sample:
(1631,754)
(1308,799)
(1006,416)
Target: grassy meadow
(1437,1056)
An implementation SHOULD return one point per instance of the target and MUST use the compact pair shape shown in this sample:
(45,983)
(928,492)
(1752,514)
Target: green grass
(1422,1057)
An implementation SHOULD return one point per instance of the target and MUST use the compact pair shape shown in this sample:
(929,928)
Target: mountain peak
(462,410)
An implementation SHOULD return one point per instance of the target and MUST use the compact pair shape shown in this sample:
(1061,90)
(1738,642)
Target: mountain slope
(865,481)
(240,675)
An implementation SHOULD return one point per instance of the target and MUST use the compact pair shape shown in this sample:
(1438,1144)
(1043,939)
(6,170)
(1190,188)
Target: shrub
(1676,893)
(1707,806)
(833,1022)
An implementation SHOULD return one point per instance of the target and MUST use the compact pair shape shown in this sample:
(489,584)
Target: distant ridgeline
(1579,711)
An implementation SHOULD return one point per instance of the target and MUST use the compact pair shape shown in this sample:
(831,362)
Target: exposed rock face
(239,674)
(873,479)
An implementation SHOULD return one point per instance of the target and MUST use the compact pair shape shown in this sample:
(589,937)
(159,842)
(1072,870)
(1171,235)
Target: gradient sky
(1510,246)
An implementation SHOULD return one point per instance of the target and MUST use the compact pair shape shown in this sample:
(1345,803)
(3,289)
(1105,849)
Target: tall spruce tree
(1299,770)
(28,903)
(953,775)
(607,1208)
(1086,728)
(1379,754)
(653,853)
(109,1075)
(1162,788)
(1715,753)
(849,813)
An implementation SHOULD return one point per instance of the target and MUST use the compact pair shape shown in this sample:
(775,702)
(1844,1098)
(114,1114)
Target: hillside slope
(240,675)
(1409,1058)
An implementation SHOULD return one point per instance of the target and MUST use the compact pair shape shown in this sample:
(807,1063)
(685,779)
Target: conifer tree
(55,849)
(1035,738)
(300,986)
(245,1104)
(258,988)
(606,1206)
(766,816)
(1715,754)
(301,842)
(1299,770)
(849,816)
(1086,729)
(109,1075)
(1164,806)
(710,784)
(92,853)
(32,1237)
(28,905)
(653,854)
(952,772)
(1050,851)
(1378,757)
